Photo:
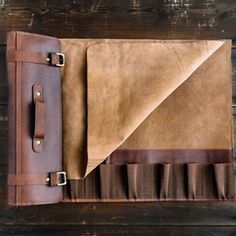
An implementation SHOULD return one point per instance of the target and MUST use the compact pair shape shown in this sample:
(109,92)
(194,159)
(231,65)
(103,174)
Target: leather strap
(50,179)
(39,124)
(53,59)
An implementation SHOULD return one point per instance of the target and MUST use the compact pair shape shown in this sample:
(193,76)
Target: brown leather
(22,76)
(161,90)
(172,156)
(51,179)
(143,98)
(154,182)
(143,95)
(27,179)
(33,57)
(39,123)
(147,101)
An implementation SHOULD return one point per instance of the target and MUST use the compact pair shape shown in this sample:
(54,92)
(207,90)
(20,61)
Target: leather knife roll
(35,120)
(142,120)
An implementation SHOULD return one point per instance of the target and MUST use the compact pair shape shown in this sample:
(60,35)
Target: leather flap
(127,81)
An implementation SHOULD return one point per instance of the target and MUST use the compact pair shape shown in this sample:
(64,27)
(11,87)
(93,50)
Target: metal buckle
(61,59)
(62,176)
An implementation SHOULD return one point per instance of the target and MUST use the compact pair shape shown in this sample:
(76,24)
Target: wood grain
(118,230)
(178,213)
(121,19)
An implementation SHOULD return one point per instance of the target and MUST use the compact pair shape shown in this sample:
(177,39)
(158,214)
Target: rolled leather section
(154,182)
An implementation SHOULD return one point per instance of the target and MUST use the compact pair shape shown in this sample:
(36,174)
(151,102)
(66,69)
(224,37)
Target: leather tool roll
(39,123)
(35,120)
(136,120)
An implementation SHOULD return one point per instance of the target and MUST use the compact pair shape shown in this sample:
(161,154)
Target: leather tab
(39,126)
(51,59)
(51,179)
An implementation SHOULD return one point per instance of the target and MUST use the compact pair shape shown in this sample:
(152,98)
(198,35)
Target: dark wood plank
(3,69)
(118,230)
(3,174)
(162,213)
(121,19)
(3,134)
(3,76)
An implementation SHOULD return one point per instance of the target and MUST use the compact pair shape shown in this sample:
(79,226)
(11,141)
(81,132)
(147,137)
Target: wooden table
(170,19)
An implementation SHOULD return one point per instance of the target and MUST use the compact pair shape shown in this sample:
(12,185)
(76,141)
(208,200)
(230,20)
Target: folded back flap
(127,81)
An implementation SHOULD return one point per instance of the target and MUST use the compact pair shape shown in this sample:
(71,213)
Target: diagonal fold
(127,81)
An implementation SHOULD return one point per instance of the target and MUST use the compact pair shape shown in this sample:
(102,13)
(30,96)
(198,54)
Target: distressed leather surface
(143,95)
(23,159)
(154,182)
(143,120)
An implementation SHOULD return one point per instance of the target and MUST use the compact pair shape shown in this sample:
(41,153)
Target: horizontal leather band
(50,179)
(170,156)
(53,59)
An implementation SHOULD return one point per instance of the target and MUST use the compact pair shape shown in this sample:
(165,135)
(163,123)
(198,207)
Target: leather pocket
(142,96)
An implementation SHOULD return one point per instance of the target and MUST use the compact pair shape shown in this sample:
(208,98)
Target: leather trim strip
(154,182)
(169,156)
(53,58)
(50,179)
(27,179)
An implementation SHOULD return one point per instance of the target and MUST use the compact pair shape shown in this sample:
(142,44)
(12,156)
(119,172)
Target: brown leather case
(141,121)
(35,150)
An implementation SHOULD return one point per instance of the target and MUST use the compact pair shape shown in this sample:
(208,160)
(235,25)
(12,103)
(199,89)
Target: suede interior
(143,95)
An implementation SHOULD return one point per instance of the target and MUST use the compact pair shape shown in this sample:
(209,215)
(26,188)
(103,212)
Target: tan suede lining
(140,94)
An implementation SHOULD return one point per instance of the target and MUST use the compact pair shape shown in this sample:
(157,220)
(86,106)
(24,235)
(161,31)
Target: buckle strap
(51,59)
(51,179)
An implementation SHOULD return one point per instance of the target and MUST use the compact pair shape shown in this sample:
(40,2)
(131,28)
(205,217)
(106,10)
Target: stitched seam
(18,114)
(16,109)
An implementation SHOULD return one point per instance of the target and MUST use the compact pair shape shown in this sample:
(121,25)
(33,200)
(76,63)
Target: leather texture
(205,156)
(156,113)
(39,118)
(154,182)
(33,57)
(51,179)
(138,120)
(34,116)
(144,95)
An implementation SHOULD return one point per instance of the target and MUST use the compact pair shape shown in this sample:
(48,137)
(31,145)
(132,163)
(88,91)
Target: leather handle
(39,123)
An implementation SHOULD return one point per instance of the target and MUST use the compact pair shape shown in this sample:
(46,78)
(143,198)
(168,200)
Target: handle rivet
(38,142)
(38,94)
